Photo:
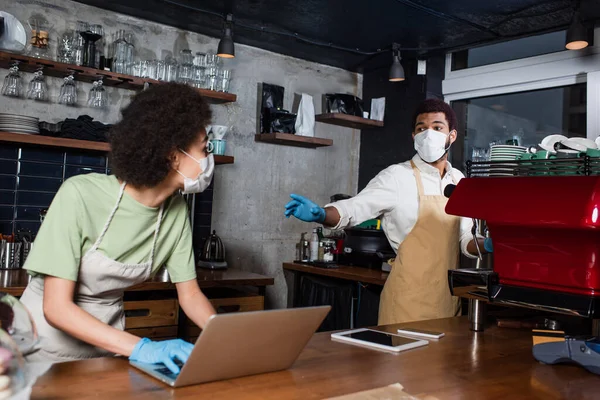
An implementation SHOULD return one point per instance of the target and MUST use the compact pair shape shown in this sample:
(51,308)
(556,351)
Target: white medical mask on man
(431,145)
(202,181)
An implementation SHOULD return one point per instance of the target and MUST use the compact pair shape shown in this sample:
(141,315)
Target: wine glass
(68,91)
(38,90)
(98,97)
(13,84)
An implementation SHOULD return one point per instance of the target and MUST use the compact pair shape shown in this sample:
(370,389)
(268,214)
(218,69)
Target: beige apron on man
(100,286)
(417,287)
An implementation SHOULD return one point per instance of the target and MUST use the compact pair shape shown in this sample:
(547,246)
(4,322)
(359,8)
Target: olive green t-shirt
(77,215)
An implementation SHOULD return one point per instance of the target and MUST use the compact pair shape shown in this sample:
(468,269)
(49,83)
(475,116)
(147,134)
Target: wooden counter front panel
(151,313)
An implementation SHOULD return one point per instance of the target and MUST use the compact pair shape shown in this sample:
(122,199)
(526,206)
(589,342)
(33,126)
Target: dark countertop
(494,364)
(14,281)
(357,274)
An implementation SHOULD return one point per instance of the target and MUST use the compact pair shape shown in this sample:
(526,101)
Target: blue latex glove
(487,245)
(148,351)
(304,209)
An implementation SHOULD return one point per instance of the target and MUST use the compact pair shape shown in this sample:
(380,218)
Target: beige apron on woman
(100,286)
(417,287)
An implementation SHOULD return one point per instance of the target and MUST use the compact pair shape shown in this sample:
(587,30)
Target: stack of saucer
(19,124)
(506,152)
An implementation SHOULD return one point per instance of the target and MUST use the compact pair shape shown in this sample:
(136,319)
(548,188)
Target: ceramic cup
(218,147)
(218,131)
(594,153)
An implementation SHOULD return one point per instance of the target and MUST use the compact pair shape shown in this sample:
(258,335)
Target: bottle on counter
(321,250)
(314,246)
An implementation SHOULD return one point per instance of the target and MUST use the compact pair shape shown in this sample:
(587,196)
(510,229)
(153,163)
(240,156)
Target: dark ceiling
(348,32)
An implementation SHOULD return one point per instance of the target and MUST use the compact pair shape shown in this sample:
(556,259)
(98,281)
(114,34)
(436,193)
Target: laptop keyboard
(167,372)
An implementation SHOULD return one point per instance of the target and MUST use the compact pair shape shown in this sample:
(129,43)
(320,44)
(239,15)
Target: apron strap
(420,182)
(110,217)
(420,190)
(155,239)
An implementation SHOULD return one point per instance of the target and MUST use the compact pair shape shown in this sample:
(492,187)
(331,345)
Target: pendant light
(226,47)
(396,70)
(577,34)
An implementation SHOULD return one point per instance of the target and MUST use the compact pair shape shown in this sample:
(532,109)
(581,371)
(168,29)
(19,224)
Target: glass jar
(40,37)
(130,52)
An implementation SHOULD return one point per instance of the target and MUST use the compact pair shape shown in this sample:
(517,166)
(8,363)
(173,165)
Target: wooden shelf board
(85,74)
(288,139)
(39,140)
(348,121)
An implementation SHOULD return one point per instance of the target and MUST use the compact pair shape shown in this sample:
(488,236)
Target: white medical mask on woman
(202,181)
(431,145)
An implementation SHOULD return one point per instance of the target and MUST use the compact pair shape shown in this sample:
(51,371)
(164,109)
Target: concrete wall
(250,195)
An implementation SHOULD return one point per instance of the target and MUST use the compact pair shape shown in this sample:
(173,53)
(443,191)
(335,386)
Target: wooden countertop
(495,364)
(15,281)
(357,274)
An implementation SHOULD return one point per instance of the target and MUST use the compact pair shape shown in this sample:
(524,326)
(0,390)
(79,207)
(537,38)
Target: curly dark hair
(433,106)
(157,122)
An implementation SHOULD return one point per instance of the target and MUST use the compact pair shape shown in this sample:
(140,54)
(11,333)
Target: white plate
(573,145)
(588,143)
(14,37)
(14,126)
(23,132)
(508,147)
(2,115)
(549,141)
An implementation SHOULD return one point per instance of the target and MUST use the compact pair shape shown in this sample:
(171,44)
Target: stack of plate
(506,152)
(19,124)
(503,155)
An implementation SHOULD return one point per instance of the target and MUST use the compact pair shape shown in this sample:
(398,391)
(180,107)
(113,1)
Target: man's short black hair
(433,106)
(158,121)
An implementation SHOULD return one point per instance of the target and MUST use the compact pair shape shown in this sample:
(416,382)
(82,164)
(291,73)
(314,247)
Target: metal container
(11,255)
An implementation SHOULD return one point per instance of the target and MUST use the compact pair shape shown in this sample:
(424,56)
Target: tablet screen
(377,337)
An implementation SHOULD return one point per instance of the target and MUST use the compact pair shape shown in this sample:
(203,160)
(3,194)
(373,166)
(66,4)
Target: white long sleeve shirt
(393,195)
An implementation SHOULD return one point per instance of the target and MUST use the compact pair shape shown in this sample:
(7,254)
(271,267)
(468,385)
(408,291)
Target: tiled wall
(31,176)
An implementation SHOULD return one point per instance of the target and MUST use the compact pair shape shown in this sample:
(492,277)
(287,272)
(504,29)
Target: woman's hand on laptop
(148,351)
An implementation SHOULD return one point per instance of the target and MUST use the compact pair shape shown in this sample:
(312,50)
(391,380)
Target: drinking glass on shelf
(170,69)
(212,74)
(65,53)
(37,87)
(160,70)
(212,60)
(185,72)
(130,51)
(68,91)
(151,69)
(13,84)
(98,97)
(223,80)
(198,78)
(136,69)
(120,53)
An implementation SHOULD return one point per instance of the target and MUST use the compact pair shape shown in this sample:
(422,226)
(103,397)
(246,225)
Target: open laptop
(241,344)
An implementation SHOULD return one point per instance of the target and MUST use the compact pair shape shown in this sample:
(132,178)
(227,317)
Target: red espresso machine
(544,221)
(546,236)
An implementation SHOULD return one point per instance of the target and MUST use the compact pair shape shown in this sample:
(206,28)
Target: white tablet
(378,340)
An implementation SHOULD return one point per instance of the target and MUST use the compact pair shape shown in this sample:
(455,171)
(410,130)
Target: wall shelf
(85,74)
(348,121)
(47,141)
(288,139)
